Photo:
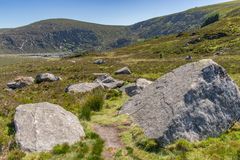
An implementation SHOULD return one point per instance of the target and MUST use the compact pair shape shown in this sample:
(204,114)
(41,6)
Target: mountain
(60,35)
(65,35)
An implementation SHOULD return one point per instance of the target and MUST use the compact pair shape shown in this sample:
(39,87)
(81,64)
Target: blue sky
(15,13)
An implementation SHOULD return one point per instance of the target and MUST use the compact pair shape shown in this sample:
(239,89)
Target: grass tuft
(93,102)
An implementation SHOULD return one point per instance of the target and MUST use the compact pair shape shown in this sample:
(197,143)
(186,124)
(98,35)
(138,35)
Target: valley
(150,49)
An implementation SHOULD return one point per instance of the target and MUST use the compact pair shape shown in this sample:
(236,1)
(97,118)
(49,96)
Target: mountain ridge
(66,35)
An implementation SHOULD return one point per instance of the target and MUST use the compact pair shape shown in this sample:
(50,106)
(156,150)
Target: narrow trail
(110,134)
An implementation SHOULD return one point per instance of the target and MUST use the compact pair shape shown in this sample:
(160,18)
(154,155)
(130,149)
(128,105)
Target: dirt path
(110,134)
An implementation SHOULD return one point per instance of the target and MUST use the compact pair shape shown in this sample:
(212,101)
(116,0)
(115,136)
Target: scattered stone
(188,58)
(97,75)
(131,89)
(214,36)
(193,102)
(41,126)
(99,61)
(124,70)
(101,76)
(179,34)
(195,40)
(20,82)
(82,87)
(218,53)
(46,77)
(135,88)
(109,82)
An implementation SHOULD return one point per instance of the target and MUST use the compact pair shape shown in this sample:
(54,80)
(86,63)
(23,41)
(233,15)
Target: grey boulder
(193,102)
(124,70)
(98,75)
(108,82)
(99,61)
(131,89)
(135,88)
(46,77)
(82,87)
(20,82)
(41,126)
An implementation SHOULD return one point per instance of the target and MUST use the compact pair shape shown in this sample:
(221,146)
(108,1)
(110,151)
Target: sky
(15,13)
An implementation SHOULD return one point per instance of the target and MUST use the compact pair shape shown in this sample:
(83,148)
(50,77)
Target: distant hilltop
(65,35)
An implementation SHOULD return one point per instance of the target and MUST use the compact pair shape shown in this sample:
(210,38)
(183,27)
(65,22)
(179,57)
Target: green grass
(93,102)
(88,149)
(6,60)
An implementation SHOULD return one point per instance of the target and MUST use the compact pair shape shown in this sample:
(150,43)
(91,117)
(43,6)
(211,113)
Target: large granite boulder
(20,82)
(109,82)
(46,77)
(82,87)
(124,70)
(41,126)
(193,102)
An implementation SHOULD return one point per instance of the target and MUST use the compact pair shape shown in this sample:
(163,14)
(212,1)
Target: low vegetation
(148,59)
(89,148)
(93,102)
(211,19)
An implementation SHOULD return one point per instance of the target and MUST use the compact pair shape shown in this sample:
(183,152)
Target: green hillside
(64,35)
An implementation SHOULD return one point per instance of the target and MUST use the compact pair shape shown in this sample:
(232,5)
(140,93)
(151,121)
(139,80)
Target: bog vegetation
(148,59)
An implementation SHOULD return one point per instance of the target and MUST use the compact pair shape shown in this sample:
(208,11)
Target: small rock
(195,40)
(214,36)
(131,89)
(188,58)
(41,126)
(82,87)
(179,34)
(46,77)
(109,82)
(101,76)
(97,75)
(124,70)
(99,61)
(135,88)
(218,53)
(20,82)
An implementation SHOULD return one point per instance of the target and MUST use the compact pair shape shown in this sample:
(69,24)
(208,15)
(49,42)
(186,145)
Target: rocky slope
(63,35)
